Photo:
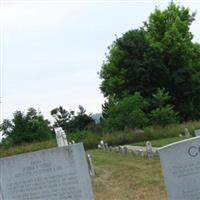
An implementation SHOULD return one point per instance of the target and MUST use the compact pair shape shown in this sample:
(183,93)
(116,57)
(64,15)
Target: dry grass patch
(127,177)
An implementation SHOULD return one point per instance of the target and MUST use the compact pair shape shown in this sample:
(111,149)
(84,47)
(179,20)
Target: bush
(126,113)
(163,116)
(25,128)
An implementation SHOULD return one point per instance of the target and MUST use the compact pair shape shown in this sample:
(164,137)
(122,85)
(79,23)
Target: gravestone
(106,146)
(197,132)
(102,144)
(181,168)
(125,150)
(60,137)
(90,165)
(187,133)
(53,174)
(149,149)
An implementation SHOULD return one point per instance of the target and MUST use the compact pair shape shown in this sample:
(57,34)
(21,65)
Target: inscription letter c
(192,151)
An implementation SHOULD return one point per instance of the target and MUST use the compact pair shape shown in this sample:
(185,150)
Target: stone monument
(53,174)
(181,168)
(60,137)
(197,132)
(149,149)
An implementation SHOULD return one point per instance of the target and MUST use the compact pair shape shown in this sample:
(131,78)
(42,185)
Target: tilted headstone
(197,132)
(149,149)
(187,133)
(91,166)
(53,174)
(60,137)
(181,168)
(99,146)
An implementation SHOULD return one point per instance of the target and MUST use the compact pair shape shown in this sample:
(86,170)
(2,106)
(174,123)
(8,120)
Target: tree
(63,118)
(26,128)
(163,112)
(160,54)
(125,70)
(71,121)
(127,113)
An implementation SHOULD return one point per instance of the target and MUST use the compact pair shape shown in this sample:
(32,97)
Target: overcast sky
(51,51)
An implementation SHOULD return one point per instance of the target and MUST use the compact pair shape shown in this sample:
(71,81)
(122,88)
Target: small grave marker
(187,133)
(197,132)
(60,137)
(91,166)
(149,149)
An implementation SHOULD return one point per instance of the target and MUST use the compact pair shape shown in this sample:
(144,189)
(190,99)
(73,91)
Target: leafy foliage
(127,113)
(160,54)
(71,121)
(163,112)
(25,128)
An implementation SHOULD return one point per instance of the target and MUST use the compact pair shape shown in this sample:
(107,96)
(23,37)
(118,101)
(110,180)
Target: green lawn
(161,142)
(126,177)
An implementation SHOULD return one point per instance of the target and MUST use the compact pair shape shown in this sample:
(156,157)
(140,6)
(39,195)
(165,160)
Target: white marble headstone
(60,137)
(53,174)
(181,168)
(197,132)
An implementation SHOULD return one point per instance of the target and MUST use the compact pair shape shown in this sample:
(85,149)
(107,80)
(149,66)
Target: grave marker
(197,132)
(187,133)
(60,137)
(181,168)
(149,149)
(53,174)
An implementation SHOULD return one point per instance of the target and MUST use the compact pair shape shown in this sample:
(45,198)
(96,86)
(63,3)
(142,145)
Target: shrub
(163,116)
(127,113)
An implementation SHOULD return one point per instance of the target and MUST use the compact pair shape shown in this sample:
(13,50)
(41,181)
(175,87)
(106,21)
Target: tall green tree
(160,54)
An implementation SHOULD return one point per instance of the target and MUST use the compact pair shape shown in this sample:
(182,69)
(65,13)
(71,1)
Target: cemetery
(109,172)
(143,140)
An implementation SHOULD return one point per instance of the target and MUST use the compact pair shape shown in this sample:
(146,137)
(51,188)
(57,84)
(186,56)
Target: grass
(161,142)
(126,177)
(27,148)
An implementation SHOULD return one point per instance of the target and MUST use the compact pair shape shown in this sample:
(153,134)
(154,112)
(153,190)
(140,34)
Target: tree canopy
(71,121)
(161,54)
(26,128)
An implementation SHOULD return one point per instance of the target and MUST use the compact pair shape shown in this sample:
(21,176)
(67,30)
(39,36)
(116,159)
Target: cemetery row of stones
(138,151)
(148,151)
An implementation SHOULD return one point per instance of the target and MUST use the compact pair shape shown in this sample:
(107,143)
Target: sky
(52,50)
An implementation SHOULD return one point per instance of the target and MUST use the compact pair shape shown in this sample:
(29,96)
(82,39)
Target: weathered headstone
(106,146)
(197,132)
(181,167)
(141,152)
(53,174)
(102,144)
(149,149)
(125,150)
(91,166)
(187,133)
(60,137)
